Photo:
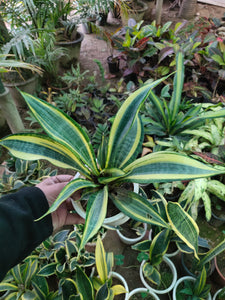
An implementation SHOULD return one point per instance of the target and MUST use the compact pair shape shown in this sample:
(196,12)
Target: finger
(63,178)
(74,219)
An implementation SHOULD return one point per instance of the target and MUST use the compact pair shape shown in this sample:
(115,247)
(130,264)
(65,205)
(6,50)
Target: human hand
(51,187)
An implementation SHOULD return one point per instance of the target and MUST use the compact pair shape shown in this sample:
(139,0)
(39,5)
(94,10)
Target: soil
(128,230)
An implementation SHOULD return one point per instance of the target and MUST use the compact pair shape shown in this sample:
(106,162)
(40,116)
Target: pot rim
(173,270)
(142,290)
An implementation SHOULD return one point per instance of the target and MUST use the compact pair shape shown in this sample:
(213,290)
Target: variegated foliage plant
(165,117)
(67,145)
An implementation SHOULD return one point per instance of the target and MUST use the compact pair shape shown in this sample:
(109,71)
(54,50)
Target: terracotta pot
(217,276)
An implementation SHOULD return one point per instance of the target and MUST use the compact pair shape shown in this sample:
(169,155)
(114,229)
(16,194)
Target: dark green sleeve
(19,232)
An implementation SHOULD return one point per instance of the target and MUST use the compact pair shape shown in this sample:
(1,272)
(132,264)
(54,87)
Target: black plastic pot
(114,64)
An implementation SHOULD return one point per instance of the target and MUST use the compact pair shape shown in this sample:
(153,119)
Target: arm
(19,232)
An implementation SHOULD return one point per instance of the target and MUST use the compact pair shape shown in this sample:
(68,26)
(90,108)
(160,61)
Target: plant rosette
(142,292)
(181,281)
(114,165)
(139,235)
(113,221)
(169,264)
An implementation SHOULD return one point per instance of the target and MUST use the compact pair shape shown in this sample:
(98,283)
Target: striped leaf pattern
(183,225)
(96,214)
(167,166)
(137,207)
(124,120)
(33,146)
(63,129)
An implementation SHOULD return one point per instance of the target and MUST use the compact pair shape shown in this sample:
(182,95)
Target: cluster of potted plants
(118,182)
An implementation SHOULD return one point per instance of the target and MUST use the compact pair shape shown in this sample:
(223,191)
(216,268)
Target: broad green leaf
(31,270)
(102,293)
(137,207)
(100,258)
(205,116)
(129,146)
(151,273)
(216,188)
(34,147)
(160,109)
(84,284)
(212,253)
(159,247)
(165,166)
(29,295)
(177,86)
(201,282)
(69,288)
(183,225)
(142,246)
(48,270)
(207,205)
(17,274)
(95,215)
(110,175)
(5,286)
(70,133)
(72,187)
(125,118)
(13,296)
(109,261)
(40,285)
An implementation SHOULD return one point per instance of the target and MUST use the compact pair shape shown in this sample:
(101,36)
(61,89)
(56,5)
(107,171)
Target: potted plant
(22,281)
(220,294)
(143,293)
(103,282)
(7,104)
(157,272)
(133,9)
(63,20)
(60,256)
(97,286)
(190,288)
(206,259)
(132,232)
(114,166)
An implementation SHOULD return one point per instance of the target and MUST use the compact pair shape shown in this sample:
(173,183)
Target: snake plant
(166,118)
(67,145)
